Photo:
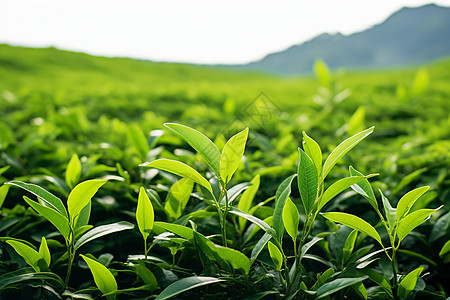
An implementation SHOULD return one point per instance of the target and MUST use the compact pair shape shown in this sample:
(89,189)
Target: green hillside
(58,106)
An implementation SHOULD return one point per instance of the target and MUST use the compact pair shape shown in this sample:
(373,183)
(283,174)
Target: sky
(195,31)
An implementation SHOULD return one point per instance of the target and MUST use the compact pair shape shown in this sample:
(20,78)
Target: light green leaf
(182,231)
(411,221)
(245,202)
(102,230)
(322,72)
(337,188)
(178,197)
(263,225)
(145,216)
(138,140)
(343,148)
(45,252)
(420,83)
(291,219)
(408,200)
(349,246)
(364,188)
(3,192)
(201,143)
(180,169)
(53,216)
(80,196)
(237,260)
(353,222)
(307,180)
(276,255)
(283,192)
(337,285)
(312,149)
(46,198)
(389,212)
(408,283)
(30,255)
(73,171)
(184,285)
(103,278)
(445,249)
(232,154)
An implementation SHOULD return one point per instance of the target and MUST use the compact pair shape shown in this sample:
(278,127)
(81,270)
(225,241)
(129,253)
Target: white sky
(195,31)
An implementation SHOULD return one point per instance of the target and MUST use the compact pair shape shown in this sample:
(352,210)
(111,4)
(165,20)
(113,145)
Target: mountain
(409,36)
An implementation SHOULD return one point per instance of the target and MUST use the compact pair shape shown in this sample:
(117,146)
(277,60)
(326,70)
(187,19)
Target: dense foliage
(99,198)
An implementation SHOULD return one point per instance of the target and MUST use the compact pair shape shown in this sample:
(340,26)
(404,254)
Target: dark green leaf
(184,285)
(283,192)
(307,180)
(102,230)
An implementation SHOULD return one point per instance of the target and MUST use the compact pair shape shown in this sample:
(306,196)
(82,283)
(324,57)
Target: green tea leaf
(342,149)
(411,221)
(84,216)
(232,154)
(103,278)
(184,285)
(46,198)
(322,72)
(145,216)
(102,230)
(291,219)
(245,202)
(445,249)
(389,212)
(45,252)
(408,200)
(237,259)
(31,256)
(80,196)
(53,216)
(378,279)
(353,222)
(307,180)
(3,192)
(276,255)
(283,192)
(180,169)
(178,197)
(337,188)
(312,149)
(138,140)
(146,275)
(364,188)
(259,247)
(182,231)
(337,285)
(26,274)
(408,283)
(73,171)
(263,225)
(349,245)
(200,143)
(308,245)
(420,83)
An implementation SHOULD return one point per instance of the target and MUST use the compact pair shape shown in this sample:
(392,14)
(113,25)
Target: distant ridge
(409,36)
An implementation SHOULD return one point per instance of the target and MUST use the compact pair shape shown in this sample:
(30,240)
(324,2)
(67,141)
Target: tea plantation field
(99,197)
